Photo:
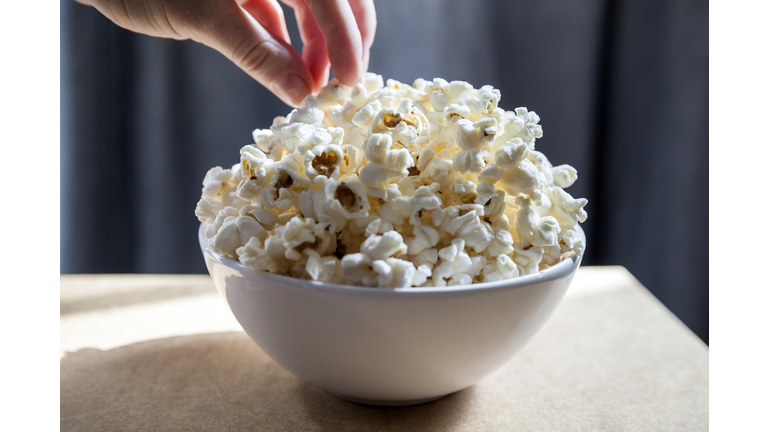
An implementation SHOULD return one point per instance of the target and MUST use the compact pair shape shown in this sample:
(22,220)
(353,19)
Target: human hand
(253,35)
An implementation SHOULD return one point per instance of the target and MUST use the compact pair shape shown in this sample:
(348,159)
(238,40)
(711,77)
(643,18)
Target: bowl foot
(386,402)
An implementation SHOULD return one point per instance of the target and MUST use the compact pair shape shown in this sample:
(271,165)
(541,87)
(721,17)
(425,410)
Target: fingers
(269,14)
(314,52)
(323,79)
(365,15)
(342,38)
(257,43)
(269,60)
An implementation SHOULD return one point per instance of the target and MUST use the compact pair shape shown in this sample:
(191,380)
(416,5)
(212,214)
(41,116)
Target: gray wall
(622,89)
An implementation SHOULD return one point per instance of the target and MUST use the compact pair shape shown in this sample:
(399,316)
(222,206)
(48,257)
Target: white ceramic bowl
(388,347)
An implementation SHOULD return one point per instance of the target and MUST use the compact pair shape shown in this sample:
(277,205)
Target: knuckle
(252,57)
(337,30)
(204,23)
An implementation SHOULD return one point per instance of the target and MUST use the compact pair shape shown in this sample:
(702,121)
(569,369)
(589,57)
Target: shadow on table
(219,381)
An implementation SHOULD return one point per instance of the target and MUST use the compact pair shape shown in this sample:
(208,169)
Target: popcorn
(516,174)
(365,116)
(425,201)
(248,227)
(384,163)
(567,210)
(572,240)
(379,247)
(523,125)
(323,160)
(501,269)
(434,167)
(546,232)
(463,191)
(309,112)
(206,209)
(261,138)
(229,198)
(322,269)
(464,222)
(427,258)
(425,237)
(501,244)
(267,257)
(347,199)
(474,135)
(299,235)
(215,180)
(456,266)
(564,176)
(266,218)
(527,257)
(494,205)
(226,240)
(375,265)
(395,186)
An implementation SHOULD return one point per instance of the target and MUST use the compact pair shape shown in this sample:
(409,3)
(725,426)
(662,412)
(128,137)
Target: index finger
(342,38)
(365,14)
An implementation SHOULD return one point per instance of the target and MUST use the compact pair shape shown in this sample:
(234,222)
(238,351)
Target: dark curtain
(622,89)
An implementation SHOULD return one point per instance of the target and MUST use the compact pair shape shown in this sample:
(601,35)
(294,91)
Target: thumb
(269,60)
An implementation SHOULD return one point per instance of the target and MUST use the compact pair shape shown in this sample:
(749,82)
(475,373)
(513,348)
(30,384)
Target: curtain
(621,87)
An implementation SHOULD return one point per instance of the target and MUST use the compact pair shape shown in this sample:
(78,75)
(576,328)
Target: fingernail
(292,87)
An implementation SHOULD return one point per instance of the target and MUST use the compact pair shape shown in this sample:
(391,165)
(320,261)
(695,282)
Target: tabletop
(163,352)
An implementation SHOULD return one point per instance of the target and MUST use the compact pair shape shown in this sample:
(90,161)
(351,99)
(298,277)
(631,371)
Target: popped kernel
(395,186)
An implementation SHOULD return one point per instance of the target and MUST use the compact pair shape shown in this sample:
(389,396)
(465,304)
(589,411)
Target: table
(163,352)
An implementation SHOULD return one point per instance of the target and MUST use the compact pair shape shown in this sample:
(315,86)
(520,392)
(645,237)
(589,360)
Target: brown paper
(609,359)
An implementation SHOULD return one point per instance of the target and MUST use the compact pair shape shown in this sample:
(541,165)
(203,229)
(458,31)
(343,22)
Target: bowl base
(386,402)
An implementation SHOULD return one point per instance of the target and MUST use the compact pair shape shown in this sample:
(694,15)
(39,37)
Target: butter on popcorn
(395,186)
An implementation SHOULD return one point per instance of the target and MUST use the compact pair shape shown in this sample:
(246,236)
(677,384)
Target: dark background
(621,87)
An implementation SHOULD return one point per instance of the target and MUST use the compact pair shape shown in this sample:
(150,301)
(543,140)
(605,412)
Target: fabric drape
(621,87)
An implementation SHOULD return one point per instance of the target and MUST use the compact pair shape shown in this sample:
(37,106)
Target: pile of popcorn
(395,186)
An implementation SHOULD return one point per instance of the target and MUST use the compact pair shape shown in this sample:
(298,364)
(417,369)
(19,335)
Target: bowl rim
(565,268)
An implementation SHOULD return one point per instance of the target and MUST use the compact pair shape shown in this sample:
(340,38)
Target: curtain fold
(621,87)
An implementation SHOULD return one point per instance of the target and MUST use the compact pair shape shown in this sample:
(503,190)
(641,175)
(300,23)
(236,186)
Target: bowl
(400,346)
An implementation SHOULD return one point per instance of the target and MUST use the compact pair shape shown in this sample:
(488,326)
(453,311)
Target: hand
(253,34)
